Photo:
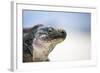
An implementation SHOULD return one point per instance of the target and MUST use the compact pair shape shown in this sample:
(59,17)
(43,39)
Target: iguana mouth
(60,34)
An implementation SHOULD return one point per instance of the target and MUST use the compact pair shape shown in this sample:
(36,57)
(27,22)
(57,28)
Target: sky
(70,21)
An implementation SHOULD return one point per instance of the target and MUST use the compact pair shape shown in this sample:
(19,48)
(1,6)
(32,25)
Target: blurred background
(77,45)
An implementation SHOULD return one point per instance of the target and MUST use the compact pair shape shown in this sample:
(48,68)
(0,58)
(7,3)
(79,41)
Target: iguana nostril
(63,33)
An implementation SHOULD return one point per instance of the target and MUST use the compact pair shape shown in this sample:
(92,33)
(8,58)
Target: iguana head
(44,39)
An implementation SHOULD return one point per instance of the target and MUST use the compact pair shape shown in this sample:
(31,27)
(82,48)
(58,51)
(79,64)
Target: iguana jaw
(43,49)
